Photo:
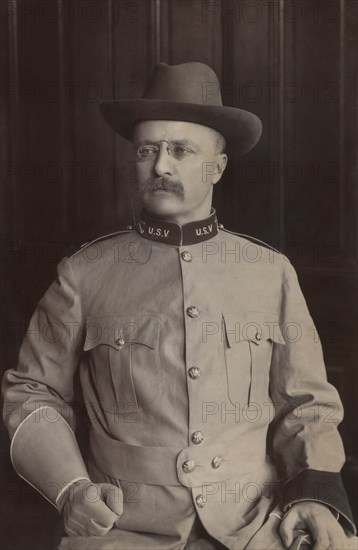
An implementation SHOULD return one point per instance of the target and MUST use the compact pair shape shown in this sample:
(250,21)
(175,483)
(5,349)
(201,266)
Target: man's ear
(220,167)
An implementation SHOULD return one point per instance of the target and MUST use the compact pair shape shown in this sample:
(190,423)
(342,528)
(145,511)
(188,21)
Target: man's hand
(91,508)
(318,520)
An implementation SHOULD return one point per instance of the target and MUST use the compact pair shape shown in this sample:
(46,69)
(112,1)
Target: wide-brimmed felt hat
(188,92)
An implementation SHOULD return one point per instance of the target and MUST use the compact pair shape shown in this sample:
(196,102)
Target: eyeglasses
(150,151)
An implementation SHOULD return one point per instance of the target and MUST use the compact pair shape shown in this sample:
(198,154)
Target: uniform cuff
(62,495)
(45,453)
(319,486)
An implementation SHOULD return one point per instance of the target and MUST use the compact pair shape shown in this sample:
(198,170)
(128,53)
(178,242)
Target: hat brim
(240,128)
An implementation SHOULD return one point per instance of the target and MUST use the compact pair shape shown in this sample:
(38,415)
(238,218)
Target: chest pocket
(248,346)
(124,360)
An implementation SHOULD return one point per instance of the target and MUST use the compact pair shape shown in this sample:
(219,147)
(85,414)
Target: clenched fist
(91,508)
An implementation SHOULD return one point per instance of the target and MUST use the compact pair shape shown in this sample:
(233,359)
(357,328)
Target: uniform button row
(187,256)
(189,465)
(194,373)
(197,437)
(216,462)
(193,311)
(200,501)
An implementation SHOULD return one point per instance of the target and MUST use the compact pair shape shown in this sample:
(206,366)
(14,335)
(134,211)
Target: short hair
(220,141)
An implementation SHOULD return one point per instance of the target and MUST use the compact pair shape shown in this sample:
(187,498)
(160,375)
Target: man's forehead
(171,130)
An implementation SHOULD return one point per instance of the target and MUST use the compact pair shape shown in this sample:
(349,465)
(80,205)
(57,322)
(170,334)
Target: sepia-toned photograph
(179,294)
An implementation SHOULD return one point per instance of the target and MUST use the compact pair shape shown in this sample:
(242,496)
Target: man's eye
(147,151)
(180,151)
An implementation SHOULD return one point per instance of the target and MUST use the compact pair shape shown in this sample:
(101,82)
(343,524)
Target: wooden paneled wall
(66,178)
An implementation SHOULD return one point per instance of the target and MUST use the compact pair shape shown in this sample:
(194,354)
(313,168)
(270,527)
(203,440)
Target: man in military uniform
(212,421)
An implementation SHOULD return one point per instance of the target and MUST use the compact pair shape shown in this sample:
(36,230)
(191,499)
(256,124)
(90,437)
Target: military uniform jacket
(202,374)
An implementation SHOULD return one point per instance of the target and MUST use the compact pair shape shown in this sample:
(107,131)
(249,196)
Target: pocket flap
(253,326)
(119,331)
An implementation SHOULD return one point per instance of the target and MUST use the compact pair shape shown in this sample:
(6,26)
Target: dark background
(66,178)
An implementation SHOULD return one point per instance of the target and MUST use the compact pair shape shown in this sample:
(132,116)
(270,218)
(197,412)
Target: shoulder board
(103,238)
(250,238)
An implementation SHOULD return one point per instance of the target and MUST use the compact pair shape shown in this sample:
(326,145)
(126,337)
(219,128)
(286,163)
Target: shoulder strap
(103,237)
(250,238)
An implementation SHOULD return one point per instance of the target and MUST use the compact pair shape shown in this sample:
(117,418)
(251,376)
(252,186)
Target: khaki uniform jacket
(203,378)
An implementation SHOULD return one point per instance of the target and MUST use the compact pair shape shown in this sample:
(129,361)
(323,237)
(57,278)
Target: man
(212,422)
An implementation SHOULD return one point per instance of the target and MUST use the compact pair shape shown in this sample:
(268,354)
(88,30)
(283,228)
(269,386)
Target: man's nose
(163,161)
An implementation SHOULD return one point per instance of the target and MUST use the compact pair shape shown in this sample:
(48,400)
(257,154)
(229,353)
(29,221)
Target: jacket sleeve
(304,433)
(38,394)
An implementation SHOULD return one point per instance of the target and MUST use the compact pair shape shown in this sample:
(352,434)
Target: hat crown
(188,92)
(185,83)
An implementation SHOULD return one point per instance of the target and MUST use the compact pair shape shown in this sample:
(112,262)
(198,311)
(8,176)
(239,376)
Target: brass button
(216,462)
(129,226)
(120,342)
(220,226)
(189,466)
(187,256)
(197,437)
(194,373)
(200,501)
(193,311)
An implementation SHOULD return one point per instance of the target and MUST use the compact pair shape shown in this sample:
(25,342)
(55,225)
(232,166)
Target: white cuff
(66,487)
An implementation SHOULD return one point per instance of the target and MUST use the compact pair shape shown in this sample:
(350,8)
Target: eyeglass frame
(170,146)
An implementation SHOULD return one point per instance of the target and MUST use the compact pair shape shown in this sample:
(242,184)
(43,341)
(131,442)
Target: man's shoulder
(250,242)
(253,251)
(103,242)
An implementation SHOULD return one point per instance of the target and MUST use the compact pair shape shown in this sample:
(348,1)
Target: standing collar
(173,233)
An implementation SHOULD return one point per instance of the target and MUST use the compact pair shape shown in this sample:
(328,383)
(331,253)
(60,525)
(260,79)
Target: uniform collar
(156,229)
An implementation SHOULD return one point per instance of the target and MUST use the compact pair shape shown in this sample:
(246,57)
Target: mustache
(162,182)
